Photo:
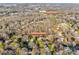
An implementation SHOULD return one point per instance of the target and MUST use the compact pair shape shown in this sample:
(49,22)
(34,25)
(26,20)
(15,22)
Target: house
(38,33)
(53,12)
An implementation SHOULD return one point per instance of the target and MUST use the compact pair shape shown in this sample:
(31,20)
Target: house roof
(38,33)
(53,12)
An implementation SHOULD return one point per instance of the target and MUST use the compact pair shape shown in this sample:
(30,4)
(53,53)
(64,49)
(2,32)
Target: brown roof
(53,12)
(38,33)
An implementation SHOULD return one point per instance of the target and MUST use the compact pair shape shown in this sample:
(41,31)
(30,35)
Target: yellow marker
(14,44)
(53,47)
(65,41)
(1,44)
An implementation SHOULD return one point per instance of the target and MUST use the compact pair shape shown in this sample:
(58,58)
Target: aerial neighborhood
(39,29)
